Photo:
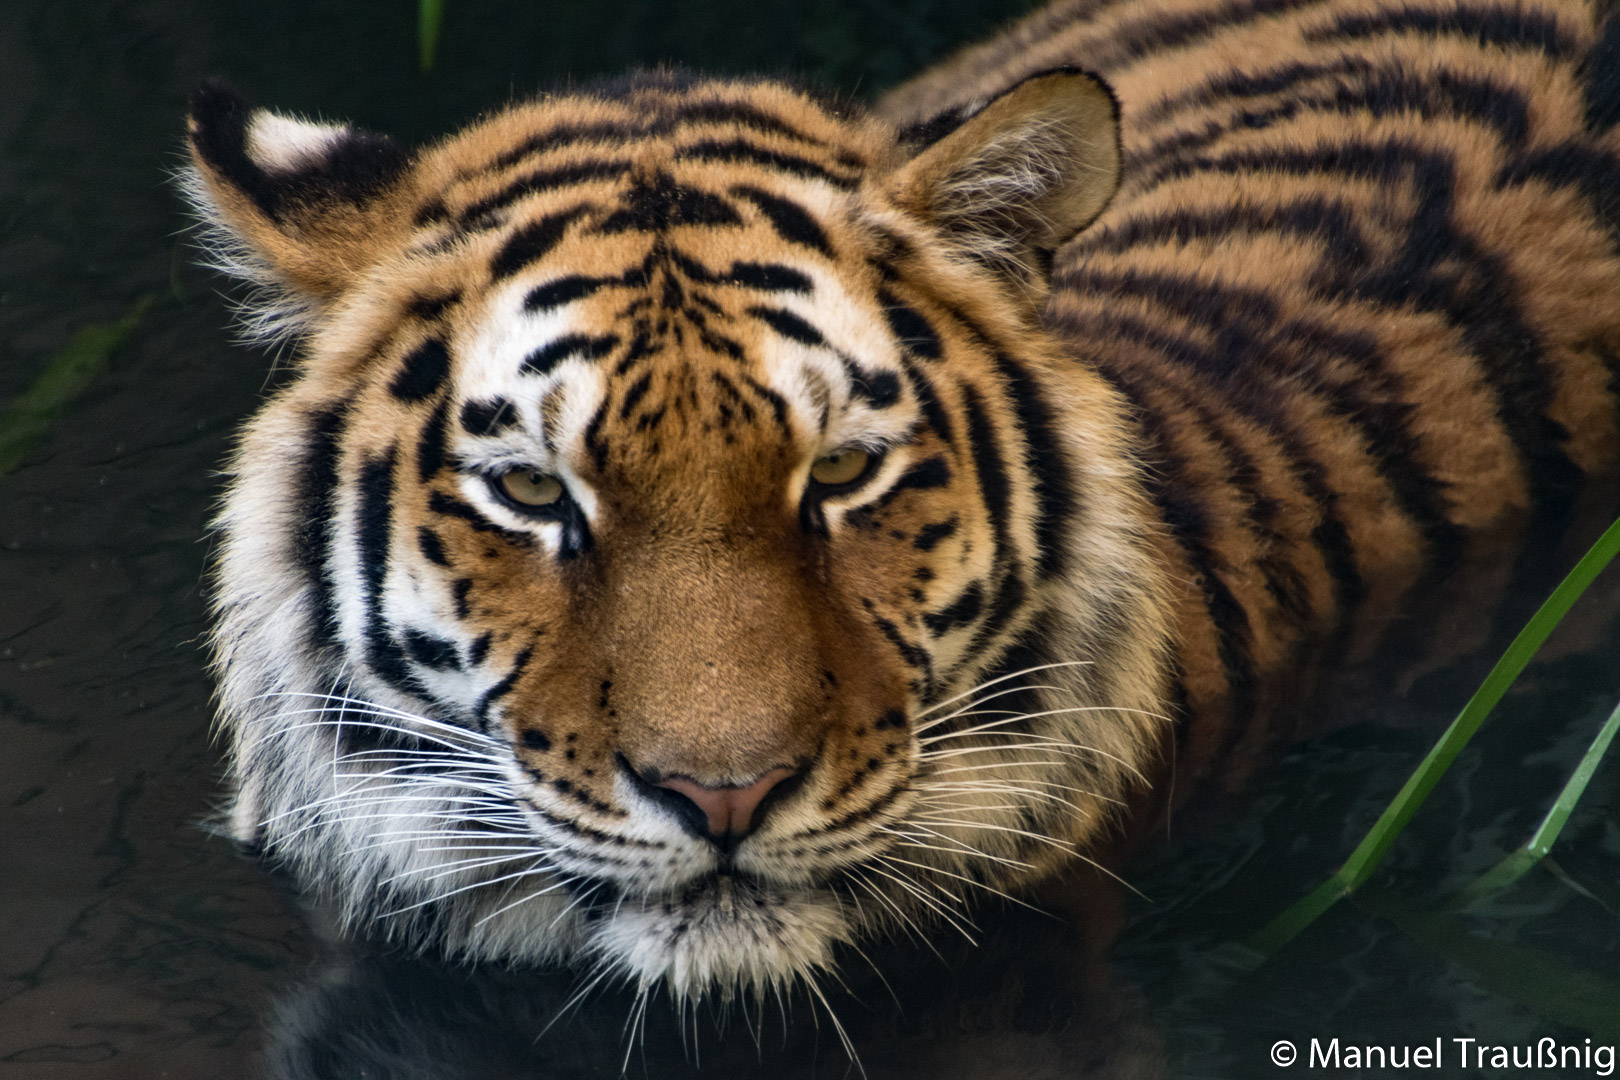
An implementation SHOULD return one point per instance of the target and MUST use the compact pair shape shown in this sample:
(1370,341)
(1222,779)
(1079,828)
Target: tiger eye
(840,466)
(531,488)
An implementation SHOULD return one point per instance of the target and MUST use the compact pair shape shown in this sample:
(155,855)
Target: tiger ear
(1010,180)
(289,205)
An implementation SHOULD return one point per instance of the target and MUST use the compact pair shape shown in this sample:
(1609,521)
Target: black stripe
(1601,72)
(745,114)
(1253,339)
(430,308)
(1439,269)
(778,404)
(1189,524)
(959,613)
(662,203)
(721,344)
(479,648)
(1390,445)
(1010,597)
(1283,79)
(741,150)
(432,548)
(788,325)
(1156,33)
(1503,27)
(450,506)
(543,359)
(460,591)
(316,507)
(879,389)
(544,180)
(791,221)
(1316,218)
(772,277)
(633,396)
(555,139)
(1282,578)
(928,400)
(1596,173)
(1436,94)
(374,517)
(490,417)
(1048,465)
(913,654)
(554,294)
(430,453)
(432,651)
(994,487)
(502,688)
(532,242)
(929,536)
(928,473)
(593,437)
(728,389)
(913,331)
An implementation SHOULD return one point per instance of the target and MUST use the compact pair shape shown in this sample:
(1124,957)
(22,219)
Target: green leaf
(1373,847)
(65,377)
(1535,849)
(429,18)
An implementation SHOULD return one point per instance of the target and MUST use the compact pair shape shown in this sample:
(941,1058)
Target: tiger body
(540,631)
(1359,282)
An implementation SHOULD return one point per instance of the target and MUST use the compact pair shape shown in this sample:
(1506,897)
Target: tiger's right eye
(840,467)
(529,488)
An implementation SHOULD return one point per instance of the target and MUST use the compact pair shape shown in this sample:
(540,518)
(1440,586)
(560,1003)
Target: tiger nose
(730,812)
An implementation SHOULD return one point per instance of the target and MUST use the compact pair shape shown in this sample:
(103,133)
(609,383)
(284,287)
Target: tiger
(709,525)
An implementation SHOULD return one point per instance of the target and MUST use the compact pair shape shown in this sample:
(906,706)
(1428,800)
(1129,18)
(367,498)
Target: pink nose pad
(730,810)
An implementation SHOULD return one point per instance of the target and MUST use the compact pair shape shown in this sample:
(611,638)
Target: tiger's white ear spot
(277,143)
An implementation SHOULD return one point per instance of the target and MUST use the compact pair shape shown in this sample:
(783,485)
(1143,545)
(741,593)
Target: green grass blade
(65,377)
(1370,852)
(429,18)
(1535,849)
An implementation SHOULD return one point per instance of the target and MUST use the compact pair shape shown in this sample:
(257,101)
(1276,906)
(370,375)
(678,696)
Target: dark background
(135,944)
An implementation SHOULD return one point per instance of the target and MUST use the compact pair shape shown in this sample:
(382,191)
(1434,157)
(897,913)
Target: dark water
(134,944)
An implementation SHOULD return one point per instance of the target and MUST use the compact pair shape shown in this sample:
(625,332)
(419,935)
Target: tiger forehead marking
(707,526)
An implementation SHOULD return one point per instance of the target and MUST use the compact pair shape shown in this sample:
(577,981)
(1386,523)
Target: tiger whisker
(927,901)
(970,707)
(456,867)
(562,882)
(531,872)
(1001,679)
(963,878)
(912,842)
(990,787)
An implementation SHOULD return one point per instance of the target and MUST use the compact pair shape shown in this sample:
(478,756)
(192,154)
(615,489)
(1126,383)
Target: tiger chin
(675,551)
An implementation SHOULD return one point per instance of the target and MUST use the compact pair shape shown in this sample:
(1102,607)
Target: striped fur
(1348,321)
(1361,285)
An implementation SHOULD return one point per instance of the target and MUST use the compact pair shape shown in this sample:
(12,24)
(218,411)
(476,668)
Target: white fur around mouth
(726,932)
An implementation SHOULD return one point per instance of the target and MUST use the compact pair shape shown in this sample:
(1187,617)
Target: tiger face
(678,547)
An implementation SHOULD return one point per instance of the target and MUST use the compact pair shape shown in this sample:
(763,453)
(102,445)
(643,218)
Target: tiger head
(677,546)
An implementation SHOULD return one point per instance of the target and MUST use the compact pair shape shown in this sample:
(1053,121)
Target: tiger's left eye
(530,488)
(843,466)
